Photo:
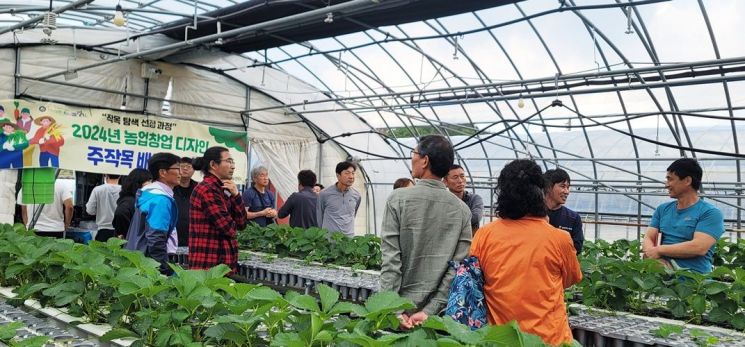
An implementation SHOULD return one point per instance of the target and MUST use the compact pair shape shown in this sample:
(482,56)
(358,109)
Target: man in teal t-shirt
(690,226)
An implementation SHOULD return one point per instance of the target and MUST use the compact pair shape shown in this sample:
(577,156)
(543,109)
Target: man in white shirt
(54,218)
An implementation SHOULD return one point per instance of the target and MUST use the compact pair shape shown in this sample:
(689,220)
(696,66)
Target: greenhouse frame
(611,91)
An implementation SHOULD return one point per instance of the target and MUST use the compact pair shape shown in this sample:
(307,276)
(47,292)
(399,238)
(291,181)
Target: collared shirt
(569,221)
(476,204)
(336,209)
(182,195)
(301,206)
(214,221)
(256,201)
(424,227)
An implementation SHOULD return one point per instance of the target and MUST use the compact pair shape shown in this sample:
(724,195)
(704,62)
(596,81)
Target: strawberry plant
(203,307)
(313,245)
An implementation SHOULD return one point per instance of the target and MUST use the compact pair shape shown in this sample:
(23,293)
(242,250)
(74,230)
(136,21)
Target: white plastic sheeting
(123,77)
(210,97)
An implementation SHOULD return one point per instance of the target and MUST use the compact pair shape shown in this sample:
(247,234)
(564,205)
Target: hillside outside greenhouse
(372,173)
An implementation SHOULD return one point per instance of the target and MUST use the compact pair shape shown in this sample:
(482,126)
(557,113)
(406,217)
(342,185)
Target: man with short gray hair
(258,199)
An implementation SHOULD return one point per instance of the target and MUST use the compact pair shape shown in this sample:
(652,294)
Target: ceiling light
(329,18)
(118,19)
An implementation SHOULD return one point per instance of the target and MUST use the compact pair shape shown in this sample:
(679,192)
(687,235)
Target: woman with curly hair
(526,262)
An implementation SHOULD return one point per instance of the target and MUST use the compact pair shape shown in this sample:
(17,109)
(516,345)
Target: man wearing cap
(12,143)
(49,139)
(24,122)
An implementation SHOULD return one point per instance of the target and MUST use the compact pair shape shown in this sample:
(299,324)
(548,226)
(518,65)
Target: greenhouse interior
(372,173)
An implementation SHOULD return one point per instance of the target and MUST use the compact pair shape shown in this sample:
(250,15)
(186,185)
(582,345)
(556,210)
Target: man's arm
(477,211)
(68,212)
(390,272)
(320,209)
(650,240)
(578,236)
(90,206)
(287,207)
(700,244)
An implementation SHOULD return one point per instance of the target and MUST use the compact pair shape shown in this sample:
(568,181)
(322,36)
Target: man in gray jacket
(424,227)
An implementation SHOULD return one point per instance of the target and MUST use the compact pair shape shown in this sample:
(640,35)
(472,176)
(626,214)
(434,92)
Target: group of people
(333,208)
(529,254)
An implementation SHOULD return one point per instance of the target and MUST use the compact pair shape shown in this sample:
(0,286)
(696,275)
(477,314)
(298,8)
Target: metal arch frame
(676,123)
(728,98)
(673,105)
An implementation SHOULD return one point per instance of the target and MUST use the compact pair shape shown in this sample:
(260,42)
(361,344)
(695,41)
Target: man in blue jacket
(156,214)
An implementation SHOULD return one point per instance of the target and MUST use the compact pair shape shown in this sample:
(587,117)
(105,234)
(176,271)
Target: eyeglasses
(417,153)
(174,168)
(229,161)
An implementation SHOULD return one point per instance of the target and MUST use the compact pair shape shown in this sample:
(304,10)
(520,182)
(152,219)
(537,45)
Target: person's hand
(652,253)
(230,186)
(8,146)
(272,213)
(404,322)
(42,140)
(418,318)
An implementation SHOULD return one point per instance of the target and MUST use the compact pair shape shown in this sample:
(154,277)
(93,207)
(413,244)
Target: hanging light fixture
(329,18)
(118,19)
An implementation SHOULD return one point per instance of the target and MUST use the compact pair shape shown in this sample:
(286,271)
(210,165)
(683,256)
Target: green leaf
(415,338)
(117,333)
(35,341)
(8,331)
(324,336)
(508,334)
(359,339)
(264,294)
(678,308)
(698,303)
(384,302)
(304,302)
(434,322)
(665,330)
(348,307)
(716,288)
(328,295)
(287,340)
(461,332)
(448,342)
(738,321)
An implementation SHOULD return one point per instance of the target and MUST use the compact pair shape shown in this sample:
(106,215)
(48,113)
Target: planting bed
(353,285)
(31,326)
(599,328)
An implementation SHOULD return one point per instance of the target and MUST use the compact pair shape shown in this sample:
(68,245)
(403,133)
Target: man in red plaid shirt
(217,212)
